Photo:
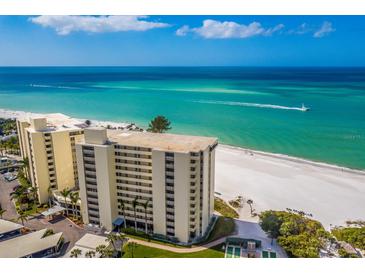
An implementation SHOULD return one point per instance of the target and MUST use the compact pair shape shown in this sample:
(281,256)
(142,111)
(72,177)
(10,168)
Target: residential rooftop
(161,141)
(56,122)
(28,244)
(7,226)
(89,242)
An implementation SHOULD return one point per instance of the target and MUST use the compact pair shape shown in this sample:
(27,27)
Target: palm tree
(74,199)
(75,253)
(112,239)
(65,193)
(25,166)
(104,252)
(145,206)
(2,211)
(159,124)
(90,254)
(122,206)
(23,217)
(100,249)
(134,204)
(49,190)
(33,192)
(250,202)
(132,246)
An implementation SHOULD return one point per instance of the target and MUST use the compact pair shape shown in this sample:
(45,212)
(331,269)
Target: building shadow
(56,219)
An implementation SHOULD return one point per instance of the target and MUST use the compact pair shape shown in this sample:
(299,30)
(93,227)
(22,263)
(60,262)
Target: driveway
(5,189)
(71,232)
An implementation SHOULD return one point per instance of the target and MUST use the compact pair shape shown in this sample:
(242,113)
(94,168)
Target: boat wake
(49,86)
(243,104)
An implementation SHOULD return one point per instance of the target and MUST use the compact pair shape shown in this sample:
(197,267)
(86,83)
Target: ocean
(256,108)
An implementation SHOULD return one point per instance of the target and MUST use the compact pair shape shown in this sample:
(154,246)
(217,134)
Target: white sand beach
(11,114)
(332,194)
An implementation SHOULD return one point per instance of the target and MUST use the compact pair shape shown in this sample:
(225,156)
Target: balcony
(89,159)
(169,158)
(169,188)
(170,203)
(90,174)
(89,165)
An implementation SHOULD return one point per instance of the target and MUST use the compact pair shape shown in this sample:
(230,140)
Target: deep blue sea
(255,108)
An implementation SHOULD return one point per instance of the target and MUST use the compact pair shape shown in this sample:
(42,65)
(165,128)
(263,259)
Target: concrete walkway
(244,229)
(179,249)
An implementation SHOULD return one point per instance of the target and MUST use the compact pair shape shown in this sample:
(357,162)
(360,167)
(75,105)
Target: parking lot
(71,232)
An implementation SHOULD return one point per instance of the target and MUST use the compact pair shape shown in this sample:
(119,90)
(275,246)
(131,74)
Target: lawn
(156,241)
(223,227)
(223,208)
(141,251)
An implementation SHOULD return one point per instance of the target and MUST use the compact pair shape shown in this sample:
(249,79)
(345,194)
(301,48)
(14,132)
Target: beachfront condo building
(49,144)
(160,183)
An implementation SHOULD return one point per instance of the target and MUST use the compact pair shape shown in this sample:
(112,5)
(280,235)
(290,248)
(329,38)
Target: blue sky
(182,40)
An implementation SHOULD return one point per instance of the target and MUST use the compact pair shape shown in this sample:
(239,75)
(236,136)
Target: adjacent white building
(162,183)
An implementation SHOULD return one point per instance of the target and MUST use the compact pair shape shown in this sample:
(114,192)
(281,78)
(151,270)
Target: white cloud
(183,30)
(212,29)
(64,25)
(324,30)
(301,29)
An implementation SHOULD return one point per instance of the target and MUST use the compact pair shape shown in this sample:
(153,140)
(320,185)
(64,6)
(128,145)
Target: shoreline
(13,114)
(6,113)
(294,159)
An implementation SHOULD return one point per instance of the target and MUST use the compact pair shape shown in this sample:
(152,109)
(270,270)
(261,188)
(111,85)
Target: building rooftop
(56,122)
(28,244)
(162,141)
(89,242)
(7,226)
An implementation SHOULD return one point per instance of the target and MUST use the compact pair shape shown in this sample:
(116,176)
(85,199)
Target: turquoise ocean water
(247,107)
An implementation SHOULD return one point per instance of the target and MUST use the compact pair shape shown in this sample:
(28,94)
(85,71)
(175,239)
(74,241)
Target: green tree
(122,207)
(49,191)
(112,239)
(271,224)
(355,236)
(134,205)
(23,217)
(2,211)
(75,197)
(25,166)
(48,232)
(65,193)
(250,203)
(33,191)
(298,235)
(104,252)
(76,253)
(90,254)
(145,207)
(159,124)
